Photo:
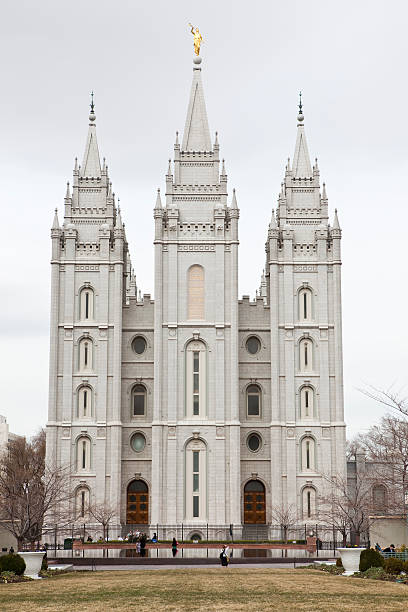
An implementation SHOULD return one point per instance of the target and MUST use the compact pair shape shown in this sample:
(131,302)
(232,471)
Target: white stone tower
(89,264)
(196,459)
(304,288)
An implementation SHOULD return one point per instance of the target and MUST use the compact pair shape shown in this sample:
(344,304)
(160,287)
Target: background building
(198,407)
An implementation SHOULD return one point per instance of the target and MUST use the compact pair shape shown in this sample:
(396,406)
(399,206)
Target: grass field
(203,589)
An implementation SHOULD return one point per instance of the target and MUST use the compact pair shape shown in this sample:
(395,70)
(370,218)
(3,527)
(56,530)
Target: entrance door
(137,509)
(254,503)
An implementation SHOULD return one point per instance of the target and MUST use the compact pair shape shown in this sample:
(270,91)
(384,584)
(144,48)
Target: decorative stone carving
(290,432)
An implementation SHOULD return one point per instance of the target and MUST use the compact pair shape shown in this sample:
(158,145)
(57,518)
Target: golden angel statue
(198,39)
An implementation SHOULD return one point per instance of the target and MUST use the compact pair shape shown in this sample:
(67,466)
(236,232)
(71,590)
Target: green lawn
(203,589)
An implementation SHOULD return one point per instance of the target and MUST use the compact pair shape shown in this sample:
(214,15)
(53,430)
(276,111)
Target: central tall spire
(301,162)
(91,165)
(196,132)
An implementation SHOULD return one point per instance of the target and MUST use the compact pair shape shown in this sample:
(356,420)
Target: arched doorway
(254,503)
(137,506)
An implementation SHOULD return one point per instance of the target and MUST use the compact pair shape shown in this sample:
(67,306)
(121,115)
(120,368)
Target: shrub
(375,573)
(339,562)
(405,566)
(44,564)
(370,558)
(393,566)
(12,563)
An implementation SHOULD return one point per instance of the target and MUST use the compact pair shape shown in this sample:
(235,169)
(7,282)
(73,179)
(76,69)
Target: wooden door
(254,503)
(137,509)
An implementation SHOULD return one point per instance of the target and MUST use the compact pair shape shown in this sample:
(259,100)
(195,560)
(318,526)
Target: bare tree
(286,517)
(390,398)
(347,506)
(386,445)
(29,489)
(103,513)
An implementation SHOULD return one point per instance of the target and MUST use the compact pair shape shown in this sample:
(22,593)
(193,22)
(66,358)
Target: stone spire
(234,200)
(55,223)
(158,201)
(336,224)
(91,165)
(196,135)
(301,167)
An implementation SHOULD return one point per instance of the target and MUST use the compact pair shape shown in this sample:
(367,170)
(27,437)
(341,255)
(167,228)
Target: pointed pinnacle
(223,168)
(272,224)
(67,194)
(288,166)
(177,138)
(234,200)
(169,168)
(76,165)
(336,224)
(119,223)
(324,194)
(55,223)
(158,200)
(216,139)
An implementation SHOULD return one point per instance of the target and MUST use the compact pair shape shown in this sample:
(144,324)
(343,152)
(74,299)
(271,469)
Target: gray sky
(348,58)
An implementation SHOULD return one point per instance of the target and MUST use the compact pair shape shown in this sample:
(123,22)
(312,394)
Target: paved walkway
(129,568)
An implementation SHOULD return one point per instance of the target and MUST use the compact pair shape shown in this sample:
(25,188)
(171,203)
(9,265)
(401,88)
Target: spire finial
(300,114)
(92,115)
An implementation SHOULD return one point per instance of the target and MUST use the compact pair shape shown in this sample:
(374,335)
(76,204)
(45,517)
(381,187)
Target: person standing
(224,555)
(174,545)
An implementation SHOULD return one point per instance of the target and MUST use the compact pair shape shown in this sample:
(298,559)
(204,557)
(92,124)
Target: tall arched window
(253,401)
(83,454)
(308,454)
(308,502)
(196,379)
(305,304)
(196,480)
(306,355)
(85,355)
(306,403)
(139,400)
(81,502)
(196,301)
(85,402)
(86,304)
(379,497)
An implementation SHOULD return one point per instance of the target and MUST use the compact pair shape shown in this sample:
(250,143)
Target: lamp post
(26,489)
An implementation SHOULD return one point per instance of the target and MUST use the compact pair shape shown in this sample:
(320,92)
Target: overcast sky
(350,61)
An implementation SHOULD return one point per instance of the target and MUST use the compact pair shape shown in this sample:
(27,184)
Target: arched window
(253,401)
(81,502)
(305,305)
(139,400)
(306,355)
(85,402)
(308,454)
(196,300)
(308,502)
(196,480)
(379,497)
(196,379)
(86,304)
(83,454)
(306,403)
(85,355)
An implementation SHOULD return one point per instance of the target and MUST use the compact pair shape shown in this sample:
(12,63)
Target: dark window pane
(253,405)
(138,442)
(196,405)
(132,498)
(132,507)
(196,360)
(196,504)
(138,404)
(143,498)
(259,498)
(139,345)
(143,506)
(253,345)
(249,506)
(254,442)
(137,486)
(196,380)
(195,482)
(259,506)
(196,461)
(254,485)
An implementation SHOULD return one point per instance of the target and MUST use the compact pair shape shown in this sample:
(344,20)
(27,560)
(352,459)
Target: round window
(253,345)
(254,442)
(138,442)
(139,345)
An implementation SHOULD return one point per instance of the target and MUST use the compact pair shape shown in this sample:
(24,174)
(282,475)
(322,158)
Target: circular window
(138,442)
(195,537)
(254,442)
(253,345)
(139,345)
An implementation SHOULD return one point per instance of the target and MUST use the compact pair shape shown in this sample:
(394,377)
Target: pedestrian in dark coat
(224,556)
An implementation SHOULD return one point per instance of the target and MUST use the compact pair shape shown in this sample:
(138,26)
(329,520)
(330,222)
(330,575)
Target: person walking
(224,555)
(174,545)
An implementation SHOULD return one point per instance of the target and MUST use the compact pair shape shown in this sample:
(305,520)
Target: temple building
(198,407)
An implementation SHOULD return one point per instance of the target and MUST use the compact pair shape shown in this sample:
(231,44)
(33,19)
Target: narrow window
(85,401)
(196,383)
(307,402)
(253,400)
(139,400)
(306,363)
(82,503)
(196,474)
(87,305)
(309,504)
(305,305)
(86,354)
(308,454)
(83,454)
